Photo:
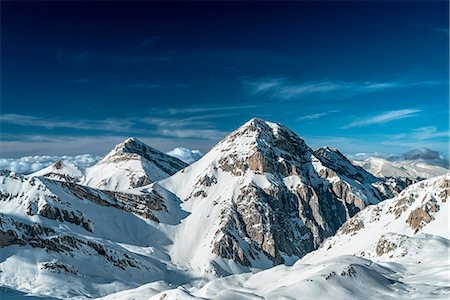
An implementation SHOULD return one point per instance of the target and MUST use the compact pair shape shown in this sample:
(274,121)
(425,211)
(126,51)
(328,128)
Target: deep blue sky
(78,77)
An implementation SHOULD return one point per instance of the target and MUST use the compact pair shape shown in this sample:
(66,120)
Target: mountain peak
(257,122)
(260,146)
(131,145)
(132,164)
(263,125)
(262,133)
(62,170)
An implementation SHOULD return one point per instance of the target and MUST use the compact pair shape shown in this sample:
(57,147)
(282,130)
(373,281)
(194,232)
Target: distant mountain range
(420,163)
(142,220)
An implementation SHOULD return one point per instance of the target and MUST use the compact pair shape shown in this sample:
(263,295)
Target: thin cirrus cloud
(283,89)
(151,86)
(117,125)
(207,109)
(429,132)
(385,117)
(432,28)
(190,127)
(83,57)
(172,123)
(316,116)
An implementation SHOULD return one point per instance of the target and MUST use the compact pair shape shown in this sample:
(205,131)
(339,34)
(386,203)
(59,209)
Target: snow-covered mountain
(411,169)
(62,170)
(397,249)
(424,154)
(131,164)
(64,240)
(262,197)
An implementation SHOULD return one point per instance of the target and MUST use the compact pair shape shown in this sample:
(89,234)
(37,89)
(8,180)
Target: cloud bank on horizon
(31,164)
(187,155)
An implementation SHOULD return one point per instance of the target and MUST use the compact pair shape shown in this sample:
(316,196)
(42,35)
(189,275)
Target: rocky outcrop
(395,227)
(57,267)
(14,232)
(54,213)
(142,204)
(423,215)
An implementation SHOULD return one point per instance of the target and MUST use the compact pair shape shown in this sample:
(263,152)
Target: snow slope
(64,240)
(131,164)
(397,249)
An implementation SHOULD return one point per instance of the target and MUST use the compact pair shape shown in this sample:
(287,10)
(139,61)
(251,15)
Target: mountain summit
(262,197)
(131,164)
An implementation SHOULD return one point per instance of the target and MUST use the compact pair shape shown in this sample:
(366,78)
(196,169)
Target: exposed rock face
(423,215)
(395,227)
(62,215)
(142,204)
(352,226)
(272,195)
(57,267)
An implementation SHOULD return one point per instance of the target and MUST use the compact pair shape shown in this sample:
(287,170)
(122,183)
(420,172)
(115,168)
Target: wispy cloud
(151,40)
(382,143)
(207,109)
(117,125)
(25,145)
(432,28)
(429,132)
(316,116)
(283,89)
(156,85)
(188,127)
(173,126)
(385,117)
(86,56)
